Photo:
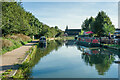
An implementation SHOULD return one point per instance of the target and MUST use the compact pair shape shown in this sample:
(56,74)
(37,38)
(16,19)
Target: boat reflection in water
(70,43)
(66,59)
(101,58)
(98,57)
(43,42)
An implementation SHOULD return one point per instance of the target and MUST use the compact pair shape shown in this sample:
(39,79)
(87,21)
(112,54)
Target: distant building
(117,33)
(117,30)
(72,32)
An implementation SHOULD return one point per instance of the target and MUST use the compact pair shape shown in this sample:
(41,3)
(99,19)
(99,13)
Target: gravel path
(15,56)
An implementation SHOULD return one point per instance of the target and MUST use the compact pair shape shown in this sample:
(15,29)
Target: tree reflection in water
(101,58)
(43,51)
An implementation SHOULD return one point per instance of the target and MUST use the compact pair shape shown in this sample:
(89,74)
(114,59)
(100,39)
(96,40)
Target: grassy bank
(115,46)
(33,58)
(11,42)
(23,68)
(26,65)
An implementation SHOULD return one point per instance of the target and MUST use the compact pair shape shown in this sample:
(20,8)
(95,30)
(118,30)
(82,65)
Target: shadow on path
(31,43)
(9,59)
(13,67)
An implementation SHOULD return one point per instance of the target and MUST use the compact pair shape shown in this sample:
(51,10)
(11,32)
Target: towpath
(15,56)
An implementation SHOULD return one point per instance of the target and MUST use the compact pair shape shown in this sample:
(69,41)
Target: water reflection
(43,51)
(70,43)
(43,46)
(99,58)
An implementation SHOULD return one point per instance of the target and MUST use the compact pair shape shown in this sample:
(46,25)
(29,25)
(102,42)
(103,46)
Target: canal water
(64,59)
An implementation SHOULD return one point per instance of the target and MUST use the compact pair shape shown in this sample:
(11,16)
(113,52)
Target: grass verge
(10,44)
(24,69)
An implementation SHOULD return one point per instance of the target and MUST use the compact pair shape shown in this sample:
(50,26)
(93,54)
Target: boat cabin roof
(42,37)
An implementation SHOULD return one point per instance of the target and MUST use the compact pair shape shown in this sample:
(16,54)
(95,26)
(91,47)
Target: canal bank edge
(96,45)
(20,72)
(105,46)
(26,59)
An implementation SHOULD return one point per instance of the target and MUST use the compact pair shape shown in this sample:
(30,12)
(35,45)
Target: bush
(18,37)
(6,43)
(23,37)
(12,37)
(11,42)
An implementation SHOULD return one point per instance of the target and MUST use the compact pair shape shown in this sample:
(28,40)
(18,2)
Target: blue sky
(70,13)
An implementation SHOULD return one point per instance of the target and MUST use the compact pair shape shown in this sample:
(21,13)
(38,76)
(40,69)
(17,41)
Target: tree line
(101,25)
(15,20)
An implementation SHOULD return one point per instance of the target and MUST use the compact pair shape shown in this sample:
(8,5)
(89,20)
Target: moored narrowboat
(42,41)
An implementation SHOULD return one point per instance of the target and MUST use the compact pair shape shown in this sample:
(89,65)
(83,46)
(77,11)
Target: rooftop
(73,30)
(117,29)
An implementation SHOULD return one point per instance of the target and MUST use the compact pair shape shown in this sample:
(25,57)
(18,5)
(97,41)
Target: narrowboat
(42,41)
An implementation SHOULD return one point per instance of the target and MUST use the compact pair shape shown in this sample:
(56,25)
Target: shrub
(14,37)
(18,37)
(6,43)
(16,43)
(23,37)
(11,42)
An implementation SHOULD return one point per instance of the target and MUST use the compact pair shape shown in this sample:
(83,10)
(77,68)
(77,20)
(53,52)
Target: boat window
(44,39)
(40,38)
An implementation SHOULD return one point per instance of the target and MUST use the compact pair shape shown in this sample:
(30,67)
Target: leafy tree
(16,20)
(85,25)
(56,27)
(108,29)
(103,25)
(91,23)
(82,32)
(88,24)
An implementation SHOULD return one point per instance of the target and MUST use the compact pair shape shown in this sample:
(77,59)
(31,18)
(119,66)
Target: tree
(85,25)
(108,29)
(82,32)
(56,27)
(103,25)
(91,23)
(16,20)
(88,24)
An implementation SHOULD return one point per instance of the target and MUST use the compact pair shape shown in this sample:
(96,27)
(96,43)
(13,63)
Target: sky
(70,13)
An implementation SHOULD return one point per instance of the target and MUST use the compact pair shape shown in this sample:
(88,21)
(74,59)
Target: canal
(64,59)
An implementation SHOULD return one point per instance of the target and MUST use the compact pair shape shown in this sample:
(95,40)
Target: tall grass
(18,37)
(11,42)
